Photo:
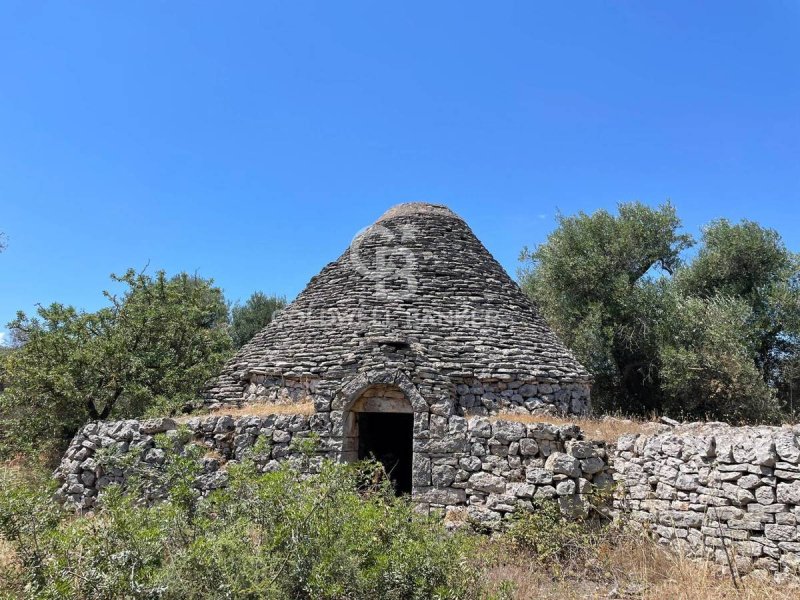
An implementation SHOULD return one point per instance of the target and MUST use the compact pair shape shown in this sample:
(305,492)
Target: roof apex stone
(415,209)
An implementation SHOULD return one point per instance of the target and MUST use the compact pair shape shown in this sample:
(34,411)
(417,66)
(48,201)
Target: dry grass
(629,567)
(259,409)
(8,558)
(607,429)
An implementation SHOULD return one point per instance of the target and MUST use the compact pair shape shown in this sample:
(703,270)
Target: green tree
(251,317)
(706,361)
(751,263)
(4,353)
(598,281)
(152,348)
(717,338)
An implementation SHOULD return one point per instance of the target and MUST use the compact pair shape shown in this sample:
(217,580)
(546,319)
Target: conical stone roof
(419,283)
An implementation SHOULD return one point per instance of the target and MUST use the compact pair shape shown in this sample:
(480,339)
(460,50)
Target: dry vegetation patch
(9,571)
(607,429)
(8,558)
(624,566)
(259,409)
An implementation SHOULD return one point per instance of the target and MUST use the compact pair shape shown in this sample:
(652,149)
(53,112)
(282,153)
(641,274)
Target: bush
(150,351)
(273,535)
(552,537)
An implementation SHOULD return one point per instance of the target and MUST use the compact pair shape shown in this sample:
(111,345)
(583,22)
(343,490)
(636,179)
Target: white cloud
(542,216)
(3,337)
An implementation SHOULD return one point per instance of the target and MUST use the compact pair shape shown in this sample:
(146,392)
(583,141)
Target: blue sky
(249,141)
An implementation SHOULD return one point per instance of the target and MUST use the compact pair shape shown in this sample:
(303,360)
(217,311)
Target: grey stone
(528,447)
(470,463)
(486,482)
(765,494)
(787,447)
(444,496)
(155,456)
(508,431)
(565,488)
(592,465)
(580,449)
(789,493)
(558,462)
(539,476)
(443,475)
(153,426)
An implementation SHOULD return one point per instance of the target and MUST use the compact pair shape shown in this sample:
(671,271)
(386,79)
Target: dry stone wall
(729,493)
(480,468)
(710,490)
(507,466)
(108,453)
(522,396)
(472,395)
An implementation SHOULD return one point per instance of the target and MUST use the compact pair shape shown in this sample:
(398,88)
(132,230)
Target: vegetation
(278,535)
(274,535)
(151,349)
(716,337)
(251,317)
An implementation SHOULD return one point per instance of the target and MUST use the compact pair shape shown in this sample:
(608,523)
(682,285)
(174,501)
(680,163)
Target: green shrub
(274,535)
(552,537)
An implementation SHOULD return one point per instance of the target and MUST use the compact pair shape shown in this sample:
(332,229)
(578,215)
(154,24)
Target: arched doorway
(382,428)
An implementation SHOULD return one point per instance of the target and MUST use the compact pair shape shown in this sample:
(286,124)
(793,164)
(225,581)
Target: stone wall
(479,468)
(728,493)
(96,456)
(506,465)
(472,395)
(522,396)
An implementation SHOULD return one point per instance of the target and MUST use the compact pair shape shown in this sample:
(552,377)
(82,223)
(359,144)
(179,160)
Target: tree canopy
(251,317)
(151,349)
(596,281)
(713,337)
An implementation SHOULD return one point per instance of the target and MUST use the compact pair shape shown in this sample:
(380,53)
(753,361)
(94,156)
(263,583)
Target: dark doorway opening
(387,437)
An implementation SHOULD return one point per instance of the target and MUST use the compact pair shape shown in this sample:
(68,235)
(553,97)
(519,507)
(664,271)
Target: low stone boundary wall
(483,469)
(96,456)
(728,493)
(710,490)
(508,465)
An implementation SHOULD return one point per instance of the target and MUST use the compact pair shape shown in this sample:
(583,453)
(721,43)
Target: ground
(633,567)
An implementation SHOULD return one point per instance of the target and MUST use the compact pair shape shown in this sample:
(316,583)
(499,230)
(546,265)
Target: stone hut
(414,326)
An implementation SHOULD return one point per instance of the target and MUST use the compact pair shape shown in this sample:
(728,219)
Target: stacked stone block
(85,470)
(728,493)
(479,468)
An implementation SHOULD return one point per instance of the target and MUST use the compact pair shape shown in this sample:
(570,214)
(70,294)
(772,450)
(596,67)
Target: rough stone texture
(417,317)
(685,484)
(96,457)
(731,494)
(415,292)
(480,471)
